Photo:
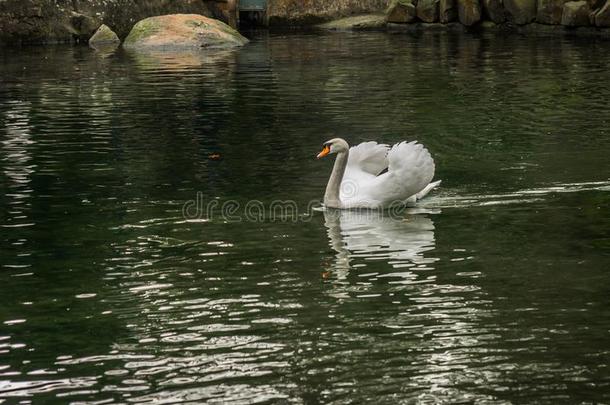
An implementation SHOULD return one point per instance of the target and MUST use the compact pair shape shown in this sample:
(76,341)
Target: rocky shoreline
(377,22)
(76,21)
(505,14)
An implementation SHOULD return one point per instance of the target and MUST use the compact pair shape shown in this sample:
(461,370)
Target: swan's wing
(369,157)
(410,170)
(364,163)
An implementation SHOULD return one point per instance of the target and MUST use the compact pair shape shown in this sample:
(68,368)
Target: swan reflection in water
(400,240)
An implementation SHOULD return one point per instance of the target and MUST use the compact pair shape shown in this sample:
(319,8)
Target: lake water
(134,270)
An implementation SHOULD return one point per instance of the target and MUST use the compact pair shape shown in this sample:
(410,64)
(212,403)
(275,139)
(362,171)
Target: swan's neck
(333,188)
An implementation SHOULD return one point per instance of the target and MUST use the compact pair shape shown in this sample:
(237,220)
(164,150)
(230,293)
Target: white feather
(410,171)
(369,157)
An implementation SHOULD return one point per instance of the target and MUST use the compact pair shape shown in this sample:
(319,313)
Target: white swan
(373,175)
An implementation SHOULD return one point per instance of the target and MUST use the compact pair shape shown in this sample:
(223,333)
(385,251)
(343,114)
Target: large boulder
(575,14)
(447,11)
(401,11)
(602,17)
(520,11)
(182,31)
(550,11)
(427,10)
(104,36)
(494,10)
(469,12)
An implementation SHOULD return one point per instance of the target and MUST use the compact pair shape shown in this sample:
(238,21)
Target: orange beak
(324,152)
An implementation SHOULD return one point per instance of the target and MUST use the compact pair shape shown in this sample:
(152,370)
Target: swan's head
(335,145)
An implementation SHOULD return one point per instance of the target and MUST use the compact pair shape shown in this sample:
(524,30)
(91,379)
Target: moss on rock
(360,22)
(401,11)
(103,36)
(177,31)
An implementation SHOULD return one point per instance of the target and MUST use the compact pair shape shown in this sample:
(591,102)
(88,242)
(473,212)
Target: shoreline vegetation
(110,21)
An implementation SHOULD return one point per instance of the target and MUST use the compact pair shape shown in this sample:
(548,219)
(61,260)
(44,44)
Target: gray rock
(454,27)
(469,12)
(550,11)
(401,11)
(427,10)
(575,14)
(312,12)
(602,17)
(104,36)
(494,10)
(354,23)
(83,26)
(520,11)
(447,11)
(596,4)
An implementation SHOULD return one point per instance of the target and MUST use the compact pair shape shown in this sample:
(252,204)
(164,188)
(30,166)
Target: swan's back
(411,162)
(410,168)
(369,157)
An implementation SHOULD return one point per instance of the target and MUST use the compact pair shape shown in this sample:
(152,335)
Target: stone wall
(520,15)
(508,13)
(53,21)
(306,12)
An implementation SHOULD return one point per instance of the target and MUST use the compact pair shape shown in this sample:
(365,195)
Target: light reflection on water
(371,235)
(443,326)
(494,289)
(17,164)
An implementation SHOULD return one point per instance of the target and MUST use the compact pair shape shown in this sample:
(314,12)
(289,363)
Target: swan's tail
(427,189)
(415,198)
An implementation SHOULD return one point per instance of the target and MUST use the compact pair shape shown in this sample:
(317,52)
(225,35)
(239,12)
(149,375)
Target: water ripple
(493,290)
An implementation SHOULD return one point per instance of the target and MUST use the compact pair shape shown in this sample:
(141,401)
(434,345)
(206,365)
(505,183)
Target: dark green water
(494,290)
